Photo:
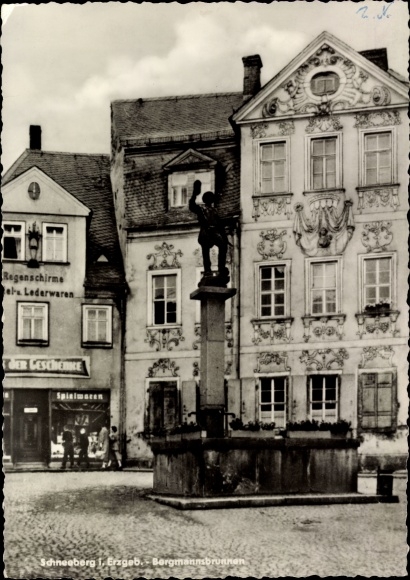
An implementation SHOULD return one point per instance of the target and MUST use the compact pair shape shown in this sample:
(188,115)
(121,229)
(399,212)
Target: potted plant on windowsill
(186,431)
(381,307)
(255,429)
(315,430)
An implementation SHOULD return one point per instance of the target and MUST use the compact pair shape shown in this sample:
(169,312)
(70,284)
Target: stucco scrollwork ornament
(272,331)
(228,368)
(370,353)
(323,124)
(378,197)
(258,130)
(273,244)
(324,359)
(379,119)
(376,236)
(164,365)
(195,370)
(164,257)
(326,232)
(273,359)
(164,338)
(295,96)
(381,96)
(196,345)
(272,206)
(286,127)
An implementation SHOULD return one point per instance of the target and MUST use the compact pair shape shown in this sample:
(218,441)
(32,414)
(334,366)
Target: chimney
(35,137)
(377,56)
(252,75)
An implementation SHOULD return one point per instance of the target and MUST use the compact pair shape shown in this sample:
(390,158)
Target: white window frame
(22,236)
(196,174)
(85,339)
(20,326)
(258,293)
(44,245)
(310,402)
(150,302)
(273,376)
(362,164)
(309,281)
(338,158)
(393,289)
(271,141)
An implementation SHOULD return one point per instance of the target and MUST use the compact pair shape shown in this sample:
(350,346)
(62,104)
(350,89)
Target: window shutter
(155,406)
(189,401)
(249,400)
(385,400)
(368,400)
(171,411)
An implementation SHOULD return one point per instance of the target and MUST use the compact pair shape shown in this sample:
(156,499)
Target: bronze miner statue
(211,233)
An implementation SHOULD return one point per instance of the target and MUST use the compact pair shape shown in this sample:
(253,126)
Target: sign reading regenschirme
(32,365)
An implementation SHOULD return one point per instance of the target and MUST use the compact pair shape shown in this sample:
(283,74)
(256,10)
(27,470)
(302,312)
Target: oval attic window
(34,190)
(325,83)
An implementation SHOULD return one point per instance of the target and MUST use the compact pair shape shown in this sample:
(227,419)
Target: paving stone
(95,517)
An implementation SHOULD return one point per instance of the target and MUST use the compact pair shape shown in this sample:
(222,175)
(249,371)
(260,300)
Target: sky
(64,63)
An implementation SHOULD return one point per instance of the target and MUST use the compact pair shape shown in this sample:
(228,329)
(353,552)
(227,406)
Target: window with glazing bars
(323,397)
(323,163)
(164,292)
(272,291)
(378,158)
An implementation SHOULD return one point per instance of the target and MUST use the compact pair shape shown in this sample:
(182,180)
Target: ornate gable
(190,159)
(326,77)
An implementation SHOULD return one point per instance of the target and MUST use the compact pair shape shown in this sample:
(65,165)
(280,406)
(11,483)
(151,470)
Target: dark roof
(87,178)
(146,190)
(377,56)
(159,118)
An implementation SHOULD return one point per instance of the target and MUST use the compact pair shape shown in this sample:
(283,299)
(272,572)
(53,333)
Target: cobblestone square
(92,525)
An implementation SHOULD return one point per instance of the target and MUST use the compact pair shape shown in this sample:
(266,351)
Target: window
(323,163)
(272,291)
(323,397)
(164,298)
(378,158)
(377,280)
(32,323)
(324,83)
(377,404)
(272,400)
(163,405)
(180,186)
(324,287)
(273,167)
(97,325)
(13,240)
(377,274)
(54,242)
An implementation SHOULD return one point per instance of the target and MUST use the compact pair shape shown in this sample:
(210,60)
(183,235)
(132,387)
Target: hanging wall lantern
(33,244)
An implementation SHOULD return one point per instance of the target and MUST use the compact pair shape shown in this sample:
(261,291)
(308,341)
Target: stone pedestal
(212,394)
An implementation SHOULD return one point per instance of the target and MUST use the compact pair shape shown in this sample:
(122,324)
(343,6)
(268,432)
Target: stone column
(212,392)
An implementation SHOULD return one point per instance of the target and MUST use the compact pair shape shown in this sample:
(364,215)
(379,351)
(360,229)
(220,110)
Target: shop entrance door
(31,426)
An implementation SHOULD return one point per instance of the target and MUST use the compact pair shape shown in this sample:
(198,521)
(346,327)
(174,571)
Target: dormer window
(324,83)
(183,171)
(180,186)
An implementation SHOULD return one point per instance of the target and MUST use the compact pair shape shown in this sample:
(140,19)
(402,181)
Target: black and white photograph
(205,278)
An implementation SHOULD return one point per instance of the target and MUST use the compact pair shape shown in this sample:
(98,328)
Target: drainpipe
(236,319)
